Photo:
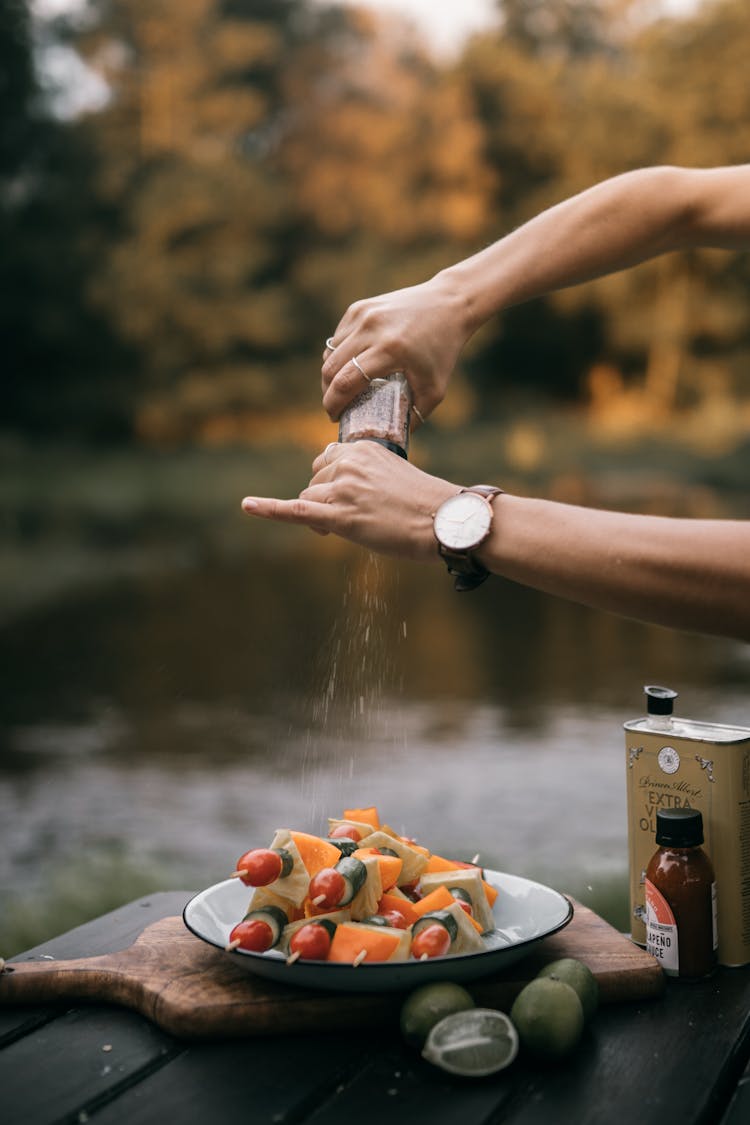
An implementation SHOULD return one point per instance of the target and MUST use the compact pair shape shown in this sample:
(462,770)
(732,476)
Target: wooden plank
(738,1112)
(399,1086)
(193,990)
(80,1058)
(258,1081)
(676,1060)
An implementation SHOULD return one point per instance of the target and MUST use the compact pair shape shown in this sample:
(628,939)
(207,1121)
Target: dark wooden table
(679,1059)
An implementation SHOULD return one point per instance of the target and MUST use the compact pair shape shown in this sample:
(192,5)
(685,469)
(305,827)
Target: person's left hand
(364,493)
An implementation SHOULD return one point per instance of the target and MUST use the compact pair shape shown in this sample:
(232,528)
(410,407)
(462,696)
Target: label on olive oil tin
(685,764)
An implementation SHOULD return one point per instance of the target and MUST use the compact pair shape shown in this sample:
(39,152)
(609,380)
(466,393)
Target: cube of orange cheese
(379,943)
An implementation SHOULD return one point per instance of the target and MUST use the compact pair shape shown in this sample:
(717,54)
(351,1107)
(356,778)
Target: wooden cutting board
(194,991)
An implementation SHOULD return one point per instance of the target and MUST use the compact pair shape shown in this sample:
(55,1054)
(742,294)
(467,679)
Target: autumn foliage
(176,258)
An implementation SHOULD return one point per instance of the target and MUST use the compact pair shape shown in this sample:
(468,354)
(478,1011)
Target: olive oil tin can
(679,763)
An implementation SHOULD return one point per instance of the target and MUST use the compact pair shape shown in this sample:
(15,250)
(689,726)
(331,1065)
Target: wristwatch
(462,523)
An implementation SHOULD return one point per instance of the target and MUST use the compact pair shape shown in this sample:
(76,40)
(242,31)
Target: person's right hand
(419,330)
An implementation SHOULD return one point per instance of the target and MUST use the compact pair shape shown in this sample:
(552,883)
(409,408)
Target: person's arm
(685,573)
(616,224)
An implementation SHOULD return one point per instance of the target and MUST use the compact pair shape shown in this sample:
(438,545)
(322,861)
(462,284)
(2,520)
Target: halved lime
(426,1006)
(472,1043)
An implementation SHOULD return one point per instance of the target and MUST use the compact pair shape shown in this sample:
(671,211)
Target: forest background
(175,254)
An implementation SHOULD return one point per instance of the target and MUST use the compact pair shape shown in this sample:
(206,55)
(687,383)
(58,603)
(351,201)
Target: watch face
(463,521)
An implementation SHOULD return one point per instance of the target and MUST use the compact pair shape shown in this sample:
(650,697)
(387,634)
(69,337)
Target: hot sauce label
(661,931)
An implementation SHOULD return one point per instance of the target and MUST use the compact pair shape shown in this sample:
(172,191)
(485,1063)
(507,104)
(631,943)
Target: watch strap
(467,571)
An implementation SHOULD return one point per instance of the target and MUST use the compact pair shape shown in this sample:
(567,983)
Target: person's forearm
(616,224)
(685,573)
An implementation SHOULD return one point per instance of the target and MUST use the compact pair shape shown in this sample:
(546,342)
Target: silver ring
(330,344)
(418,413)
(361,369)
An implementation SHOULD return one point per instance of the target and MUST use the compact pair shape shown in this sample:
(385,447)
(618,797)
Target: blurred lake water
(158,724)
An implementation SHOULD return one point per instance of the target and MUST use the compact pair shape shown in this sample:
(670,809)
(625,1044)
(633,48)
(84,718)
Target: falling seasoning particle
(361,704)
(403,626)
(107,1047)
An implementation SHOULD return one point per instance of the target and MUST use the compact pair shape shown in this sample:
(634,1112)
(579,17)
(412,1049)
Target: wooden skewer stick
(318,899)
(359,958)
(476,858)
(233,945)
(237,874)
(425,957)
(293,957)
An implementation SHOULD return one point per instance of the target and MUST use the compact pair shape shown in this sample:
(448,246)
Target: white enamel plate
(525,912)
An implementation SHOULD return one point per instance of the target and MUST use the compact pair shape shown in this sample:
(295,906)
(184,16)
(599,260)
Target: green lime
(427,1005)
(548,1016)
(472,1043)
(579,977)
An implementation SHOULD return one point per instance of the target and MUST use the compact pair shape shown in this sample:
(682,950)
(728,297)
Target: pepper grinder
(381,413)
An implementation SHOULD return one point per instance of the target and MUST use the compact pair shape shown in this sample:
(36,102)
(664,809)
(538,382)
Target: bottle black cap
(679,828)
(659,700)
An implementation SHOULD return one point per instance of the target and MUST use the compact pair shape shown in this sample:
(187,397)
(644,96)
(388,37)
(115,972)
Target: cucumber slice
(354,873)
(442,917)
(346,847)
(273,916)
(287,861)
(327,923)
(375,920)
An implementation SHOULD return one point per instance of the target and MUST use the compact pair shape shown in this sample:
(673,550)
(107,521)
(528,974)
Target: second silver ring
(361,369)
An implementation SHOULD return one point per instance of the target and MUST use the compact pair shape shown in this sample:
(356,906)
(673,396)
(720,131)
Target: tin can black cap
(659,700)
(679,828)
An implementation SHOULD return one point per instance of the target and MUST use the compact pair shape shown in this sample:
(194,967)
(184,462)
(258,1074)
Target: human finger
(329,348)
(331,453)
(345,328)
(299,511)
(354,376)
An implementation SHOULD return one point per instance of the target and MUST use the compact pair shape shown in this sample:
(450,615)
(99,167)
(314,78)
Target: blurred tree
(271,162)
(384,161)
(195,276)
(572,92)
(178,256)
(55,349)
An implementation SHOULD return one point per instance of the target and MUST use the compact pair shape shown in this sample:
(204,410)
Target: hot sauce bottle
(681,897)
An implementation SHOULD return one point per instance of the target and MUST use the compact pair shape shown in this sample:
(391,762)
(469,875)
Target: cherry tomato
(311,942)
(261,866)
(394,918)
(411,891)
(464,903)
(255,935)
(434,941)
(345,832)
(330,884)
